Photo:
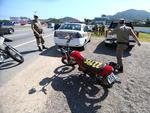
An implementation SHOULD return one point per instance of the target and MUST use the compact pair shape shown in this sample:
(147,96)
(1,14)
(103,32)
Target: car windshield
(114,25)
(71,27)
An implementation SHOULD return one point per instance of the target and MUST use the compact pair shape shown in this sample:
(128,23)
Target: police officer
(123,32)
(37,30)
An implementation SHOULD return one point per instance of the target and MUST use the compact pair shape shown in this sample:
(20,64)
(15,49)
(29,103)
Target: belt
(126,43)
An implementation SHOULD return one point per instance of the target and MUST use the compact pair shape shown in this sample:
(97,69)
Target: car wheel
(83,48)
(89,40)
(10,30)
(107,45)
(59,46)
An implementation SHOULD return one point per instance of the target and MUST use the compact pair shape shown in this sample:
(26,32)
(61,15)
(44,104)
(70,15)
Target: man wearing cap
(123,32)
(37,30)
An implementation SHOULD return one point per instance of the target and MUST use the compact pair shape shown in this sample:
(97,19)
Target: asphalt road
(24,42)
(47,91)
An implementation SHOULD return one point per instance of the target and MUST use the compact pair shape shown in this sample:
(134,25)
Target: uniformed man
(103,29)
(37,30)
(123,32)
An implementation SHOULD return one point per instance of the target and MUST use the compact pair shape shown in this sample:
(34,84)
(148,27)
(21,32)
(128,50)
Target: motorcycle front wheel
(14,54)
(70,61)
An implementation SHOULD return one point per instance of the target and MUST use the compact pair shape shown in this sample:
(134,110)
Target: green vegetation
(1,21)
(94,34)
(145,37)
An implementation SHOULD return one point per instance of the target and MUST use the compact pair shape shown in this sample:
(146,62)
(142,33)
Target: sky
(79,9)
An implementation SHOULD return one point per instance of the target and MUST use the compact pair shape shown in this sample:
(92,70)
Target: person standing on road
(37,30)
(103,29)
(123,32)
(99,30)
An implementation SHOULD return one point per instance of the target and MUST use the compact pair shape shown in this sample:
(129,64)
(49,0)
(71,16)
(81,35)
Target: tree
(4,21)
(103,15)
(87,21)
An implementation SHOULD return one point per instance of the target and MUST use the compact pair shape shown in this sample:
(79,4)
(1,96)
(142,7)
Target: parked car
(78,31)
(6,29)
(112,39)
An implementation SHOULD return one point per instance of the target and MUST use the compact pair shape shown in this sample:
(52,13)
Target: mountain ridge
(132,14)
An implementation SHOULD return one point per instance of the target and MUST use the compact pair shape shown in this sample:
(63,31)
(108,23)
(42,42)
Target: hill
(68,19)
(132,14)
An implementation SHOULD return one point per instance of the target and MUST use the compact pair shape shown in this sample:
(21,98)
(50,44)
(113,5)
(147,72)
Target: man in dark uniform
(123,32)
(37,30)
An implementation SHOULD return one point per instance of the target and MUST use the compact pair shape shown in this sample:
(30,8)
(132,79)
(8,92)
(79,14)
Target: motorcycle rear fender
(106,71)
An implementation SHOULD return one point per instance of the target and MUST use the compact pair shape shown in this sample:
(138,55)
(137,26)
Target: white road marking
(23,32)
(30,41)
(17,35)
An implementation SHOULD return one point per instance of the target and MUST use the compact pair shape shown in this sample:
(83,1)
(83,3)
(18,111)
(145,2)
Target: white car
(79,33)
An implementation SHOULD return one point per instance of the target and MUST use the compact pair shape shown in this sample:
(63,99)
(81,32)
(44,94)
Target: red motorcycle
(104,73)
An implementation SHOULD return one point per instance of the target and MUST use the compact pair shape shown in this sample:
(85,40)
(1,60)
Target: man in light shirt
(123,32)
(37,30)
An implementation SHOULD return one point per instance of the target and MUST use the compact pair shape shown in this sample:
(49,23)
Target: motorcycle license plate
(111,78)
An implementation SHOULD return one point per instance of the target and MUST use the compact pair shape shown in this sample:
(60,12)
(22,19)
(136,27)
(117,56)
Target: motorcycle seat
(93,65)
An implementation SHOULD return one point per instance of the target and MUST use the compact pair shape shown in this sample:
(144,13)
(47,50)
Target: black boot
(120,69)
(43,46)
(40,49)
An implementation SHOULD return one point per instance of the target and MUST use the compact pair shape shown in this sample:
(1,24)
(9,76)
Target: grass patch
(97,35)
(145,37)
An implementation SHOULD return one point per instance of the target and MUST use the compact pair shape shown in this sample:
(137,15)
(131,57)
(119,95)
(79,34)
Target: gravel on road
(39,88)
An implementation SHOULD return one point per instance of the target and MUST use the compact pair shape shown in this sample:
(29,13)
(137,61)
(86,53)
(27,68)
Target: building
(20,20)
(15,19)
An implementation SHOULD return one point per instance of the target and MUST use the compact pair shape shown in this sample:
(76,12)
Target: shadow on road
(83,96)
(82,93)
(102,49)
(8,64)
(28,52)
(52,51)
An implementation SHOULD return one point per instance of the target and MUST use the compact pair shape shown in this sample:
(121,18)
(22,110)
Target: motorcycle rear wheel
(68,62)
(14,54)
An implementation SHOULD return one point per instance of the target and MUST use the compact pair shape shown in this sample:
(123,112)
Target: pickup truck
(111,40)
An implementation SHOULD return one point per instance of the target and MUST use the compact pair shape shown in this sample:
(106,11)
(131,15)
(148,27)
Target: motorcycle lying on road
(104,73)
(7,51)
